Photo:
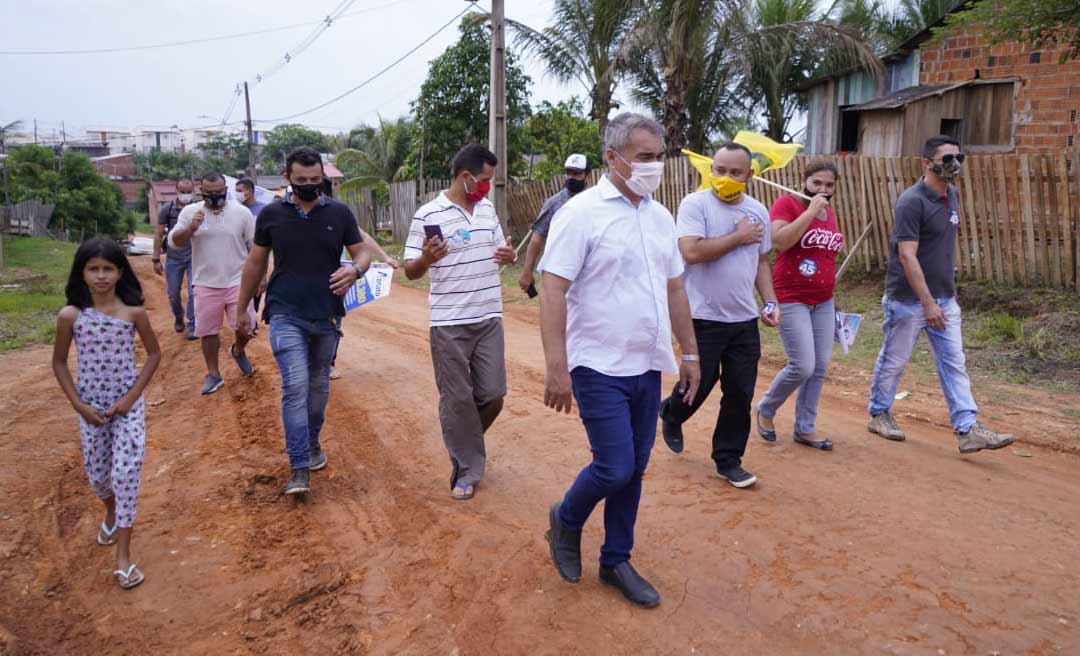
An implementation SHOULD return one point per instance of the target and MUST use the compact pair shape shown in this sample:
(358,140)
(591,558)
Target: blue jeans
(807,334)
(303,350)
(620,415)
(175,270)
(903,323)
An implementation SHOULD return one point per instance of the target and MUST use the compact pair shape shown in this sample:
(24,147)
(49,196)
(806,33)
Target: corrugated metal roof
(906,96)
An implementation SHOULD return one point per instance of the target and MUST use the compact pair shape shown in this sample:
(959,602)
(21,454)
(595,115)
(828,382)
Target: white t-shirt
(220,246)
(465,285)
(619,259)
(723,289)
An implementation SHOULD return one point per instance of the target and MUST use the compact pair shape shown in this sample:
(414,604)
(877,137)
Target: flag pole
(780,186)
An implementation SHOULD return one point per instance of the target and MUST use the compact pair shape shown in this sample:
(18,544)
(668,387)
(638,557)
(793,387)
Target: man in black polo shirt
(920,295)
(306,232)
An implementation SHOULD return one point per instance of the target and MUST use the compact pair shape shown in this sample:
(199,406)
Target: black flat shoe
(767,435)
(824,445)
(565,546)
(636,589)
(673,436)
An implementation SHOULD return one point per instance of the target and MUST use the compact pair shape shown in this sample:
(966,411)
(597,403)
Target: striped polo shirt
(465,285)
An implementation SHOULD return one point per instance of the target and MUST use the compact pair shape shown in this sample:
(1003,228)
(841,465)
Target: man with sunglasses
(219,232)
(920,295)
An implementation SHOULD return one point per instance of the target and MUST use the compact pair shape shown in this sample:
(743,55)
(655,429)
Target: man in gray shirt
(920,295)
(724,238)
(577,174)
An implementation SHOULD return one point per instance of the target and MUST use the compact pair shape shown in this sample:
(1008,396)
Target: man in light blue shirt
(612,296)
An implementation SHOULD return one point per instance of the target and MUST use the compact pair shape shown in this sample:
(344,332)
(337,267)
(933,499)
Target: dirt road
(875,548)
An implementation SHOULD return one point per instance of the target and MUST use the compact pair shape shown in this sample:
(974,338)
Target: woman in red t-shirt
(807,239)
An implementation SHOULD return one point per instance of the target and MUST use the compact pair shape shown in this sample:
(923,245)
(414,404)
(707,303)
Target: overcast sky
(177,85)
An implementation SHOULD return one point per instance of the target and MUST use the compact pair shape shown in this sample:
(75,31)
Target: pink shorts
(212,305)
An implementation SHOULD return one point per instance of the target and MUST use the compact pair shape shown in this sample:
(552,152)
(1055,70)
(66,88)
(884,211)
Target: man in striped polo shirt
(458,239)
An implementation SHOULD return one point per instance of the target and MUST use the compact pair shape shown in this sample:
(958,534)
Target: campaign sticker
(461,237)
(808,267)
(954,218)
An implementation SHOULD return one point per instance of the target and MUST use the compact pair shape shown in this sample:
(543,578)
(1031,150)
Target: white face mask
(185,198)
(645,177)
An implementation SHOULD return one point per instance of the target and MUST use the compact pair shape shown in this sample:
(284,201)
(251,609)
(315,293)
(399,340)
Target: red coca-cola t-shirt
(806,272)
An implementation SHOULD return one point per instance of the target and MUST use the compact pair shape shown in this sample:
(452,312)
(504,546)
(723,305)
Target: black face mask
(807,192)
(307,192)
(574,186)
(214,201)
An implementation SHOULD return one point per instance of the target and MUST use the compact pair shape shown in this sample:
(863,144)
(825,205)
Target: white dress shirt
(619,259)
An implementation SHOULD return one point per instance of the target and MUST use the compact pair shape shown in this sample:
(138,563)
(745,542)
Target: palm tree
(766,48)
(684,74)
(589,41)
(379,155)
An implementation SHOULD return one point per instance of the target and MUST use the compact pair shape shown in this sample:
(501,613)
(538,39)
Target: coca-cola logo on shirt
(823,239)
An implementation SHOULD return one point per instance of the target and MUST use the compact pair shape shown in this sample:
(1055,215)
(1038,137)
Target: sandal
(463,491)
(767,435)
(106,536)
(455,471)
(131,578)
(824,445)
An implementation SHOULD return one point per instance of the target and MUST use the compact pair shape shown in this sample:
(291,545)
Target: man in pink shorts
(220,232)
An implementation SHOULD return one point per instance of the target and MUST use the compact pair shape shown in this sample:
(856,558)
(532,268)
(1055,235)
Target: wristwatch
(691,358)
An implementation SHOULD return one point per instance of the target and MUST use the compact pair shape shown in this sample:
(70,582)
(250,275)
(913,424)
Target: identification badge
(954,218)
(808,267)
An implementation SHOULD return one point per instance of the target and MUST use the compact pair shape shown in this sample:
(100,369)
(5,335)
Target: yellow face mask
(728,189)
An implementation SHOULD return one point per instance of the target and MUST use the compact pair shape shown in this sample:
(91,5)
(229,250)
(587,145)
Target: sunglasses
(949,157)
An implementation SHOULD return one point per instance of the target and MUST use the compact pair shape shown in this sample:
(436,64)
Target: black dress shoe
(629,582)
(672,435)
(565,547)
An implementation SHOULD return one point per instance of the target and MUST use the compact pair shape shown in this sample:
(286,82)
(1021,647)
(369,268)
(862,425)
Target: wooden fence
(1020,214)
(28,218)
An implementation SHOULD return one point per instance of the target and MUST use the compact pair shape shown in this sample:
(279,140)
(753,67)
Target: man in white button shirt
(220,232)
(612,295)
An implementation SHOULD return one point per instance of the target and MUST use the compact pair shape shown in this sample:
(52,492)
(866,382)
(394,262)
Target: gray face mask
(948,171)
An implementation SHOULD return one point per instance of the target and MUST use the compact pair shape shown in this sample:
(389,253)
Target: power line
(376,75)
(324,25)
(188,42)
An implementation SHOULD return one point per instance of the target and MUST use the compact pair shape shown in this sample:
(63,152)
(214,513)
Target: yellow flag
(704,167)
(766,155)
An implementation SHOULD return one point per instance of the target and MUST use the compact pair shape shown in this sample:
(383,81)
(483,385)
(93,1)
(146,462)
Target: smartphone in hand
(433,231)
(531,291)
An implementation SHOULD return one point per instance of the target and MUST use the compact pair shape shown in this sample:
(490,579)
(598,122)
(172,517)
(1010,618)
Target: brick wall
(1047,104)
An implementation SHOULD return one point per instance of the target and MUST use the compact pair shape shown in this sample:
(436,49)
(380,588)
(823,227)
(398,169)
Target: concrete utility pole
(497,109)
(250,137)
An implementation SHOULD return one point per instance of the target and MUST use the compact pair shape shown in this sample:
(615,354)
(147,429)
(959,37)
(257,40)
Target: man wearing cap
(577,173)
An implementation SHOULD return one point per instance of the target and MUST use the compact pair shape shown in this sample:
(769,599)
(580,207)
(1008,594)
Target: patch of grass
(997,328)
(32,289)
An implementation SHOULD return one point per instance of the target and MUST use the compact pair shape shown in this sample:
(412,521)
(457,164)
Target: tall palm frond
(587,41)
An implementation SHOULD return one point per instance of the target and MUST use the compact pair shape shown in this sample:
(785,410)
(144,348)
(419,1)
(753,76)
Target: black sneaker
(317,460)
(673,436)
(178,325)
(737,476)
(298,482)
